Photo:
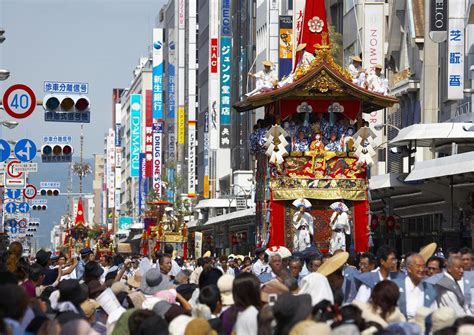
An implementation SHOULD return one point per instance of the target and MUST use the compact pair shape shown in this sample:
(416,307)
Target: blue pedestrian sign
(12,223)
(24,207)
(10,207)
(4,150)
(13,193)
(25,150)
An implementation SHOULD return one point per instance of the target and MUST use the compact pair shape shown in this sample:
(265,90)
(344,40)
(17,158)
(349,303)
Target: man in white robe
(267,78)
(376,81)
(303,223)
(340,227)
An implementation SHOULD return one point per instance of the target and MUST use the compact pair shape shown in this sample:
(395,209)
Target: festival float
(163,225)
(81,235)
(313,149)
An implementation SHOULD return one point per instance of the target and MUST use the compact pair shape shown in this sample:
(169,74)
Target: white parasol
(302,202)
(339,205)
(280,250)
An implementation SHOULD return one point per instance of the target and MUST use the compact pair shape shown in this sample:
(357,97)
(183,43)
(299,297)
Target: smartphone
(272,298)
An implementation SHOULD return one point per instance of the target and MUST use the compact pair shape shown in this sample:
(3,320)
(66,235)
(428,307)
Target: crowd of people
(275,292)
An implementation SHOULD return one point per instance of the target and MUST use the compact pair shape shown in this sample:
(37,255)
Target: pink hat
(167,295)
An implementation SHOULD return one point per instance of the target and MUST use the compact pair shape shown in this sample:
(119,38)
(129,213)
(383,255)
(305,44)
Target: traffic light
(66,103)
(49,192)
(56,153)
(39,207)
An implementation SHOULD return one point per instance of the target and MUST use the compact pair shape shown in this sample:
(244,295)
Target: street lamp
(9,124)
(4,74)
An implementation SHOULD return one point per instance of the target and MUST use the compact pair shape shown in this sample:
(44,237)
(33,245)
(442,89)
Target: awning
(192,223)
(438,134)
(231,216)
(215,203)
(441,167)
(385,181)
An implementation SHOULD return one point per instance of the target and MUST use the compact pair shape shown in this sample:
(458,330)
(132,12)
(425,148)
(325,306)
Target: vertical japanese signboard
(214,79)
(206,155)
(438,18)
(181,69)
(285,54)
(157,73)
(157,152)
(148,150)
(135,133)
(226,71)
(171,100)
(111,169)
(192,159)
(456,50)
(181,125)
(374,39)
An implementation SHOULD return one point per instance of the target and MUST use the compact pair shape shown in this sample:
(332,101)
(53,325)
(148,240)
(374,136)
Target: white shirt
(229,271)
(415,297)
(175,269)
(259,267)
(246,323)
(365,292)
(306,59)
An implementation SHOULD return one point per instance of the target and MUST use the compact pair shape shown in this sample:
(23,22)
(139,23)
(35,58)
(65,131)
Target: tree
(336,45)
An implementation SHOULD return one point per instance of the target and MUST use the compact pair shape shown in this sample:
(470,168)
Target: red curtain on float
(277,222)
(361,223)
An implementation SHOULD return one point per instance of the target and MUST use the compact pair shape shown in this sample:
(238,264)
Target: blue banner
(285,53)
(135,134)
(157,73)
(171,83)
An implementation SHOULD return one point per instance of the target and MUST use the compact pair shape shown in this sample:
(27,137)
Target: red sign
(214,55)
(148,134)
(22,103)
(9,169)
(30,191)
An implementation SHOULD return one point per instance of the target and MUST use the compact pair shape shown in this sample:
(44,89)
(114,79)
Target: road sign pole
(2,226)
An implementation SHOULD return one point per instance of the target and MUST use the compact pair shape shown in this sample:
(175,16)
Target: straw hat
(267,63)
(356,59)
(333,263)
(378,66)
(300,47)
(135,280)
(428,250)
(207,254)
(89,307)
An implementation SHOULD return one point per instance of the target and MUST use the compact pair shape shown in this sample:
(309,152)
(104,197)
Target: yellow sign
(206,187)
(181,125)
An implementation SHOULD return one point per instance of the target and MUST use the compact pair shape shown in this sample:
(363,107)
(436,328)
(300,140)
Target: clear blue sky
(93,41)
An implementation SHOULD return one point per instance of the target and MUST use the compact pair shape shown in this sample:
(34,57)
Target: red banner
(148,134)
(214,55)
